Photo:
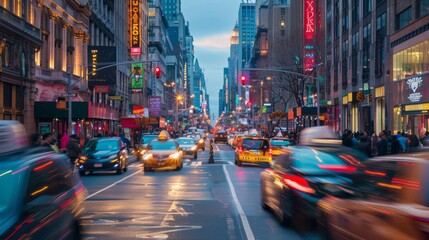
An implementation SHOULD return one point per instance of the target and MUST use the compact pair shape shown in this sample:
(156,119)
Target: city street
(202,201)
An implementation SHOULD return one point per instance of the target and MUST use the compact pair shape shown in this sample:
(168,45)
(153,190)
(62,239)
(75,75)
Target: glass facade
(411,61)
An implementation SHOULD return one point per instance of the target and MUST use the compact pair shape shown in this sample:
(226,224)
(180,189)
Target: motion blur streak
(7,172)
(42,166)
(39,191)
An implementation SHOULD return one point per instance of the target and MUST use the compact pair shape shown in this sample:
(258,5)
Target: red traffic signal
(243,80)
(158,72)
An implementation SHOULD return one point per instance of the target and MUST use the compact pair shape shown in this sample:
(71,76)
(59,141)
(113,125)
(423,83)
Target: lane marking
(112,185)
(244,221)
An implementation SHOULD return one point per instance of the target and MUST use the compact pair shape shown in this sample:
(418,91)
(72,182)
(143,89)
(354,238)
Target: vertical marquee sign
(309,32)
(135,28)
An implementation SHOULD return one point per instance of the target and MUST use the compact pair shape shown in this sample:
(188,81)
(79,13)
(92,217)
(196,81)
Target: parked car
(41,197)
(103,154)
(255,150)
(162,153)
(230,139)
(188,146)
(391,201)
(299,178)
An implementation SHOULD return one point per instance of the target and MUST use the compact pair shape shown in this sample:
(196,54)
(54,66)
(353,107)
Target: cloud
(214,42)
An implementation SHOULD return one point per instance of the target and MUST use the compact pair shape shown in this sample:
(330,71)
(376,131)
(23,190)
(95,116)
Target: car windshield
(253,144)
(185,141)
(280,142)
(147,138)
(102,144)
(310,159)
(158,145)
(195,136)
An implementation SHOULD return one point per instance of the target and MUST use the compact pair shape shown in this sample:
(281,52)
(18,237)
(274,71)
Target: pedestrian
(73,149)
(382,145)
(374,145)
(403,141)
(49,141)
(63,142)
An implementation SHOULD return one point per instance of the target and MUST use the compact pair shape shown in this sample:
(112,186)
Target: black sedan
(103,154)
(300,177)
(40,198)
(221,137)
(391,201)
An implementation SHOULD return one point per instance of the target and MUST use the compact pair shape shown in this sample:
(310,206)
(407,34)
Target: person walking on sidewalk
(73,149)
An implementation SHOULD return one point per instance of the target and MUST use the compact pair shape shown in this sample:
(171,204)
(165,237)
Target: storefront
(410,107)
(89,119)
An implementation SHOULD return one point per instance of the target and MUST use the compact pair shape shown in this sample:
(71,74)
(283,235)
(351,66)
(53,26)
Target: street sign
(66,94)
(115,98)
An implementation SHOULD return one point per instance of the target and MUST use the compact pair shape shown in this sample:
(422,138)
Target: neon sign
(135,27)
(309,13)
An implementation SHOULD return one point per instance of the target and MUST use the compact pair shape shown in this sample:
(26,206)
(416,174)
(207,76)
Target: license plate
(98,165)
(255,159)
(256,153)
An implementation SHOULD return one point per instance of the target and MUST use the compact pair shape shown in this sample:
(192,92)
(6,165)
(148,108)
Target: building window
(282,12)
(282,23)
(422,8)
(411,61)
(345,20)
(355,11)
(336,21)
(403,18)
(7,95)
(367,7)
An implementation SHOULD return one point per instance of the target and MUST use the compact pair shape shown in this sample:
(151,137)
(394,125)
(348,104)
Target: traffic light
(243,80)
(158,72)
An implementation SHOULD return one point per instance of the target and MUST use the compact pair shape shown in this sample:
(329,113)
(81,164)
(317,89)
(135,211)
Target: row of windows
(411,61)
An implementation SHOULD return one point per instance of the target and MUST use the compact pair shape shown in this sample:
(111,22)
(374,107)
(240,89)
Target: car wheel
(119,170)
(82,173)
(147,169)
(180,166)
(239,163)
(204,149)
(195,155)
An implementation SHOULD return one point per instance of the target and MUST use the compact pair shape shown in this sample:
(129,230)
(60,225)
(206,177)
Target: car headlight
(175,155)
(82,159)
(147,156)
(193,148)
(201,141)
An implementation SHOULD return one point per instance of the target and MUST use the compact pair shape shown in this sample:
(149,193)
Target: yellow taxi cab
(163,153)
(253,149)
(280,144)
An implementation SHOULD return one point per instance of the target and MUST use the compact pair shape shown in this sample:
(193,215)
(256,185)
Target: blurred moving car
(103,154)
(255,150)
(41,197)
(300,177)
(279,144)
(188,146)
(144,141)
(221,137)
(198,139)
(162,153)
(390,202)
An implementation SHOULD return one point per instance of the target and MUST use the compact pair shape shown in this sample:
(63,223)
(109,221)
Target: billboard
(137,77)
(154,106)
(309,33)
(98,56)
(135,22)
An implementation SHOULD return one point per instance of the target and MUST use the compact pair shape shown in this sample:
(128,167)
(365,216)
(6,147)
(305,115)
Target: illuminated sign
(94,53)
(135,28)
(98,74)
(413,84)
(309,32)
(137,77)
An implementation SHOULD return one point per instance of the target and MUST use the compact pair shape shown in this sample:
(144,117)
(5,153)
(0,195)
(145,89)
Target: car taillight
(240,150)
(297,183)
(337,168)
(270,151)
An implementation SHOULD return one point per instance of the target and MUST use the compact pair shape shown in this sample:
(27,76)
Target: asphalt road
(201,201)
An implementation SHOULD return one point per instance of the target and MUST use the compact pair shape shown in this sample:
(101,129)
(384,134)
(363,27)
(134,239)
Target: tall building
(62,58)
(188,67)
(407,92)
(356,55)
(246,37)
(233,60)
(20,43)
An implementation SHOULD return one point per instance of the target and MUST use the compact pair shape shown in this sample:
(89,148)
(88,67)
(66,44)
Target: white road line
(113,184)
(245,222)
(199,163)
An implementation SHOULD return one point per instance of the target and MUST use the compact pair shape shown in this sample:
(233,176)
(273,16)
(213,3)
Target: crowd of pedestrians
(383,143)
